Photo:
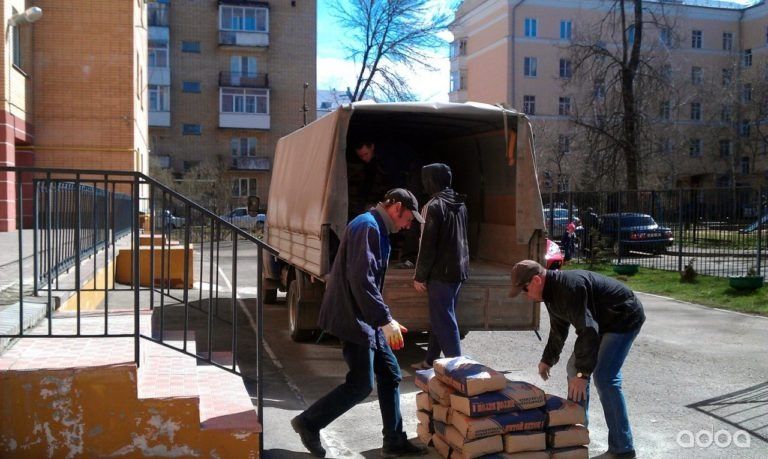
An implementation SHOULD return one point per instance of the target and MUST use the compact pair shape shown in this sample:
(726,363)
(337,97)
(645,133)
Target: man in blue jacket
(354,311)
(443,262)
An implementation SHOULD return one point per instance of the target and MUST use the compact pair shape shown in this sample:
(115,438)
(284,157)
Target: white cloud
(334,73)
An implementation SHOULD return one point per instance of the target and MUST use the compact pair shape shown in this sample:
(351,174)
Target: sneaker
(404,447)
(309,438)
(625,455)
(423,365)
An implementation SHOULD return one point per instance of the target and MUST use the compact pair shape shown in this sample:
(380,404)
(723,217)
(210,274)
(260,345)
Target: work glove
(393,332)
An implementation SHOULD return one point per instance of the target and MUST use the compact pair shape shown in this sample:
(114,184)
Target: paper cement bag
(424,417)
(442,413)
(576,452)
(424,433)
(467,376)
(516,442)
(473,448)
(497,424)
(562,412)
(521,455)
(423,401)
(565,436)
(422,377)
(516,396)
(441,445)
(440,392)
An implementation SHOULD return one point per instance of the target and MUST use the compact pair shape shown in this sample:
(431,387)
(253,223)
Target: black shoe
(626,455)
(310,439)
(404,447)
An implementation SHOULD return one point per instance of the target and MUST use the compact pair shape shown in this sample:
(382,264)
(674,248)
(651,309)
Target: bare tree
(386,36)
(618,76)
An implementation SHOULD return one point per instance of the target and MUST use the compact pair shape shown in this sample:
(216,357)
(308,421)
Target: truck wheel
(270,295)
(295,307)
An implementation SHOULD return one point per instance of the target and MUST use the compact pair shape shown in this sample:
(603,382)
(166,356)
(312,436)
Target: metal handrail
(80,215)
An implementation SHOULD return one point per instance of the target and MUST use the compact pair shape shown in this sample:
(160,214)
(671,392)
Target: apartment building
(706,127)
(226,81)
(73,91)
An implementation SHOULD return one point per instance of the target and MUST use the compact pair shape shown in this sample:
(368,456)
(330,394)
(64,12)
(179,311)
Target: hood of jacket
(435,178)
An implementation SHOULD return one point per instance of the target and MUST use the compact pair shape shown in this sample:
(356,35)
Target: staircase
(86,398)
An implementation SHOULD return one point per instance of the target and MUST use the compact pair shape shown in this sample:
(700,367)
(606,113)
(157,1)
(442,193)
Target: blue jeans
(444,335)
(363,363)
(614,348)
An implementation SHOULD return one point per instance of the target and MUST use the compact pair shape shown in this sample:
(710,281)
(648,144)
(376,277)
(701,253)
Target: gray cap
(522,273)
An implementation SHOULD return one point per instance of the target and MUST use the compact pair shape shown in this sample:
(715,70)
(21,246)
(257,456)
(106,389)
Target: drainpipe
(512,30)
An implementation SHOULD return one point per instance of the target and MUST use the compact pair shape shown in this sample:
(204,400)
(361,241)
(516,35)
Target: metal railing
(113,230)
(721,229)
(244,79)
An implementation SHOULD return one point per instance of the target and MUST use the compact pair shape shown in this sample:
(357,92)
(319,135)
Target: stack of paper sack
(467,410)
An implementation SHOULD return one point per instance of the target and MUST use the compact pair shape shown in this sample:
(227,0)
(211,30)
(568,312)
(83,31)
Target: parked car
(242,219)
(560,221)
(636,232)
(167,218)
(753,226)
(554,257)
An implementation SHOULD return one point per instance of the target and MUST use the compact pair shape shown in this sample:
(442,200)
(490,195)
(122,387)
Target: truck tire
(297,309)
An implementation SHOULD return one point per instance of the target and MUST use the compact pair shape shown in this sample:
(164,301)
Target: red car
(554,257)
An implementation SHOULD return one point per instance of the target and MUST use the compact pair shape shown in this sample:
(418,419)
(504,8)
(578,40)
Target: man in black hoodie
(443,261)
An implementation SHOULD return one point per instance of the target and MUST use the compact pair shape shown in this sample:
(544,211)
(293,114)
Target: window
(696,111)
(529,105)
(694,148)
(725,148)
(458,80)
(191,129)
(564,144)
(242,187)
(727,76)
(746,92)
(459,48)
(745,165)
(665,146)
(697,75)
(696,39)
(744,128)
(599,88)
(157,53)
(665,112)
(530,65)
(746,58)
(566,30)
(530,27)
(631,33)
(665,36)
(727,41)
(243,146)
(565,68)
(157,14)
(190,46)
(159,98)
(190,86)
(244,19)
(564,106)
(725,113)
(236,100)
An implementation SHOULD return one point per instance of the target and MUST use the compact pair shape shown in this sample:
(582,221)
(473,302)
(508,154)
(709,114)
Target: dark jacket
(443,251)
(594,304)
(353,307)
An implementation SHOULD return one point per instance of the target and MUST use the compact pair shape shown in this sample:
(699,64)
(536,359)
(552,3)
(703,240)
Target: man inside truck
(354,311)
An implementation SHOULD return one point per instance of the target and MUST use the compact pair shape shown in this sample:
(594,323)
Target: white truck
(490,150)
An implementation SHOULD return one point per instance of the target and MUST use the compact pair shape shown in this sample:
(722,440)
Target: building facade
(226,81)
(704,99)
(73,91)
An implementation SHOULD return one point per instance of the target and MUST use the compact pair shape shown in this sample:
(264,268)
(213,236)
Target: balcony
(244,120)
(244,108)
(161,119)
(243,38)
(157,14)
(251,163)
(243,80)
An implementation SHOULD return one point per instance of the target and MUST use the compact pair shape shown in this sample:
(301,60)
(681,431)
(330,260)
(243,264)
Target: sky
(336,71)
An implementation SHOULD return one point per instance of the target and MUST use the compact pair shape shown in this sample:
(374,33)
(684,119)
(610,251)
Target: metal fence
(722,229)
